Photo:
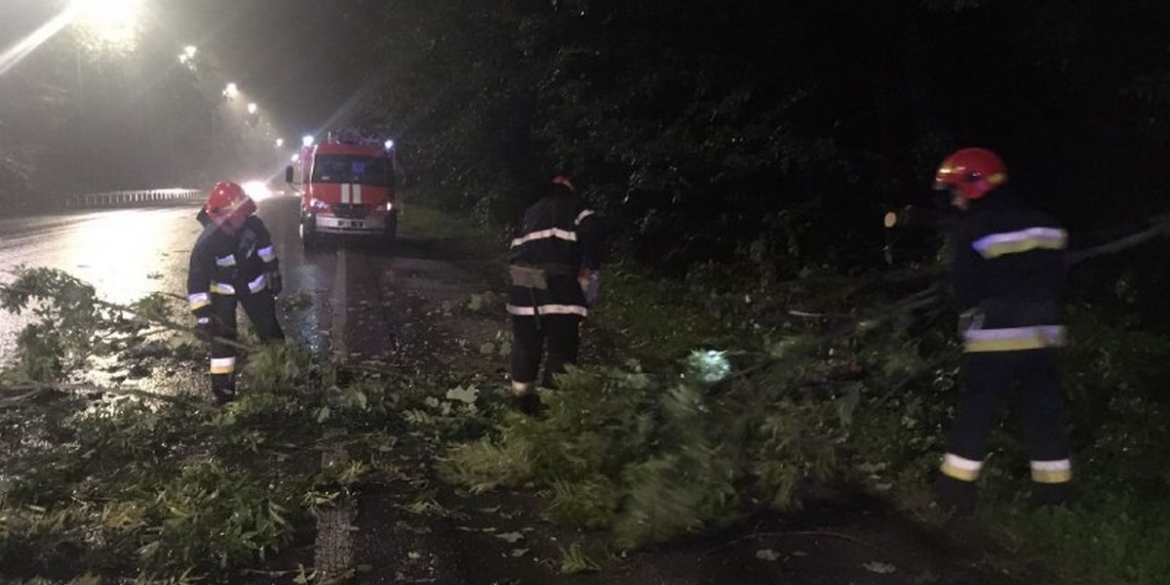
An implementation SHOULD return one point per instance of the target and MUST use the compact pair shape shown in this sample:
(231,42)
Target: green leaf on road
(465,395)
(882,568)
(767,554)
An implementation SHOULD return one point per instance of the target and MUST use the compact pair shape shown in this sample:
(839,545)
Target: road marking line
(340,304)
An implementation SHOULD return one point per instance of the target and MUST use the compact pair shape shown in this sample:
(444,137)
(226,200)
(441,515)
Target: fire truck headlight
(257,190)
(318,205)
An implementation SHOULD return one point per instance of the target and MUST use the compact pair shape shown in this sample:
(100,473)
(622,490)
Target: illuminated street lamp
(231,91)
(188,54)
(295,158)
(113,21)
(279,142)
(252,107)
(307,140)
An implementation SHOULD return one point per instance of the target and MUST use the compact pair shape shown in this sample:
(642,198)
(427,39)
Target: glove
(203,328)
(590,281)
(275,283)
(970,320)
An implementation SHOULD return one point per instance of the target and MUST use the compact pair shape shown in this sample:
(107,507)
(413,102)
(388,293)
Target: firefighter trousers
(261,311)
(1029,382)
(531,334)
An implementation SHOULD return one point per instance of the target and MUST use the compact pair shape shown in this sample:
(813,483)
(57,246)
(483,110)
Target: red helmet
(228,199)
(973,172)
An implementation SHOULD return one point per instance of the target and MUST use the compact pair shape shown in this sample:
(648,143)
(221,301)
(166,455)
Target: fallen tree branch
(34,390)
(165,324)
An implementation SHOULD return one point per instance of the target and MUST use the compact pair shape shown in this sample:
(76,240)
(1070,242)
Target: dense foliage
(120,483)
(772,132)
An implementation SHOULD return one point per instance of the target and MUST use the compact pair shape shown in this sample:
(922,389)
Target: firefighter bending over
(554,265)
(1008,269)
(233,260)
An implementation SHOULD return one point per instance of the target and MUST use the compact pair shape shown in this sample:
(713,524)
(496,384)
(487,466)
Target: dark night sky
(278,51)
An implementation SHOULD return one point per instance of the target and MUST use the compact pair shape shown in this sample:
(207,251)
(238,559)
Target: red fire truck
(346,187)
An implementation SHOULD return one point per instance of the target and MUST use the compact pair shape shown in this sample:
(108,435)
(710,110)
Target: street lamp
(231,91)
(252,107)
(307,140)
(188,54)
(279,142)
(112,21)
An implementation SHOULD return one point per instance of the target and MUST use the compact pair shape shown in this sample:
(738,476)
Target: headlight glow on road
(257,190)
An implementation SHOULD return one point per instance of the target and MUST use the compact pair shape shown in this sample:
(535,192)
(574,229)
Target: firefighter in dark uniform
(1008,268)
(233,261)
(554,265)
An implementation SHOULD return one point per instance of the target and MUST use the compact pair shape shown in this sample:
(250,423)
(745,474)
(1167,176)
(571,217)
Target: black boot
(1052,495)
(955,496)
(222,396)
(529,403)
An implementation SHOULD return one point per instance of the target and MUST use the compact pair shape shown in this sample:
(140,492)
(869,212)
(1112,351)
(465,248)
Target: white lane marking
(340,304)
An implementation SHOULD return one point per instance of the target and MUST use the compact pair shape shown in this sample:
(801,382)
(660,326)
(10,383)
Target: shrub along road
(411,346)
(442,319)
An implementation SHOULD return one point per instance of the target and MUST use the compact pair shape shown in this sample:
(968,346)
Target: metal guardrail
(145,196)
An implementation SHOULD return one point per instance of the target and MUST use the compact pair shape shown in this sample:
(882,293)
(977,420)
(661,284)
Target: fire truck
(346,185)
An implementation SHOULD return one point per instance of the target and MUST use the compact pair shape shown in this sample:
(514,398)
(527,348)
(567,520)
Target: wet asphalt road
(129,253)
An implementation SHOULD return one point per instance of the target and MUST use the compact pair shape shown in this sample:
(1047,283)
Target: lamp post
(101,26)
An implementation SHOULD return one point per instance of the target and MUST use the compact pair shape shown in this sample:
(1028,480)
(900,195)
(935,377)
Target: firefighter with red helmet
(1008,271)
(554,265)
(233,261)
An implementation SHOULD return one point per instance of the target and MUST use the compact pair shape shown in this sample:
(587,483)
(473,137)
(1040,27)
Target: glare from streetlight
(113,21)
(279,142)
(307,140)
(231,91)
(188,54)
(252,107)
(13,55)
(295,158)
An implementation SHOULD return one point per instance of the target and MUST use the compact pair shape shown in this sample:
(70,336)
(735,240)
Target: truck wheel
(309,236)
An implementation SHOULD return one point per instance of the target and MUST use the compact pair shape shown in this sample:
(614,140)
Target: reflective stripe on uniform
(1013,339)
(259,283)
(229,260)
(267,254)
(581,216)
(545,234)
(549,310)
(1059,471)
(225,365)
(995,245)
(199,300)
(960,468)
(223,289)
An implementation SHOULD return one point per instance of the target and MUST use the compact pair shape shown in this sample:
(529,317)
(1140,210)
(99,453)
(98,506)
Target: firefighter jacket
(558,237)
(1009,270)
(224,263)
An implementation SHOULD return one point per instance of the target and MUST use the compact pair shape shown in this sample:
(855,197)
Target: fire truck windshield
(351,169)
